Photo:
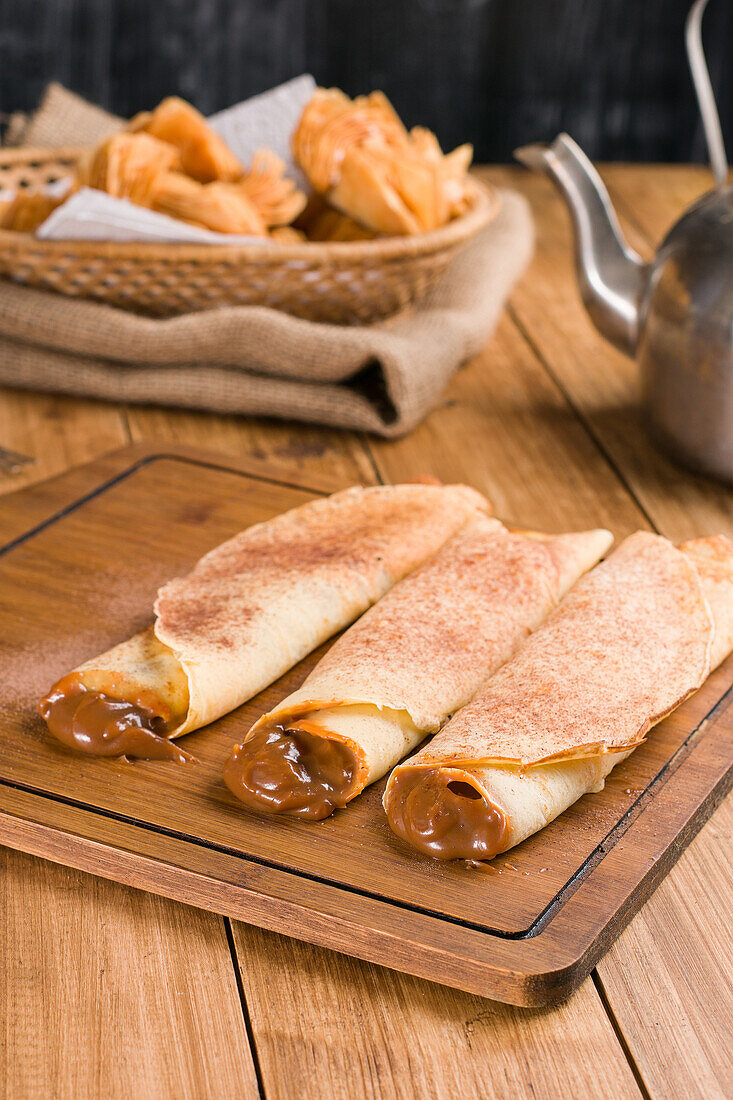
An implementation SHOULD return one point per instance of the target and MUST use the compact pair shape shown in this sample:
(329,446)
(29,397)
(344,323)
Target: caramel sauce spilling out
(291,771)
(94,723)
(440,813)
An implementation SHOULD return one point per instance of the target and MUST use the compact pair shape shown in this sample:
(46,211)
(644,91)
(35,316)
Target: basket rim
(484,208)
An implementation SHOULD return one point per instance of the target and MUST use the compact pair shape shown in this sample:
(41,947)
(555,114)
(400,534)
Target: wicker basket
(345,283)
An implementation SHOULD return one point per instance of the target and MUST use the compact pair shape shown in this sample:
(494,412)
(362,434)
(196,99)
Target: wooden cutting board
(526,930)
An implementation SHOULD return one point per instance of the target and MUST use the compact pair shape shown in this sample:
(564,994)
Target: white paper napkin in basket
(266,120)
(91,215)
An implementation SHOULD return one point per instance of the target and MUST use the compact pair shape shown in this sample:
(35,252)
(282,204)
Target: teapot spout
(613,278)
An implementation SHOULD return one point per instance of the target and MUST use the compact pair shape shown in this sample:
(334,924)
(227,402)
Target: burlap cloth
(382,378)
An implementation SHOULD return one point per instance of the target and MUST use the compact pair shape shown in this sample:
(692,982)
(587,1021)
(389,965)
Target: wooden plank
(351,1030)
(505,427)
(643,975)
(316,457)
(26,507)
(599,381)
(669,978)
(57,432)
(653,196)
(107,991)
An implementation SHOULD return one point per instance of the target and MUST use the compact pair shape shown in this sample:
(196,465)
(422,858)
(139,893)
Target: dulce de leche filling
(279,770)
(440,812)
(95,723)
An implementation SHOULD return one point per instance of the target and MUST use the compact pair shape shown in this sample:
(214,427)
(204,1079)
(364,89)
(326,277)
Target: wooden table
(108,992)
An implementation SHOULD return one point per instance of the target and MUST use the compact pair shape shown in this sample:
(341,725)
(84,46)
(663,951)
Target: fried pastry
(331,124)
(332,225)
(271,192)
(359,155)
(287,234)
(127,165)
(28,210)
(364,192)
(204,156)
(223,207)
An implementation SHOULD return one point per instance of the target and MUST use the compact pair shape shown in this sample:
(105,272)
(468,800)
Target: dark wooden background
(495,72)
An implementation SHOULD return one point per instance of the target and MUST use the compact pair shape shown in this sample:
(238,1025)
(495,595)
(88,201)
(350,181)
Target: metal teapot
(674,314)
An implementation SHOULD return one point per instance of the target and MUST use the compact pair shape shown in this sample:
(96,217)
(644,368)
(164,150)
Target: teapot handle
(704,92)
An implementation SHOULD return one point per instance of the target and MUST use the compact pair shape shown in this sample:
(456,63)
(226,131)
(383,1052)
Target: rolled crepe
(630,642)
(398,674)
(248,611)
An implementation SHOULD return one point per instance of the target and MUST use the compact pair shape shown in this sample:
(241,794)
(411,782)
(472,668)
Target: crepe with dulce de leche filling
(399,673)
(630,642)
(248,611)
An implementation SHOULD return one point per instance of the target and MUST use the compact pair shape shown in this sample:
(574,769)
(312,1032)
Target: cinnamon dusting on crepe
(628,644)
